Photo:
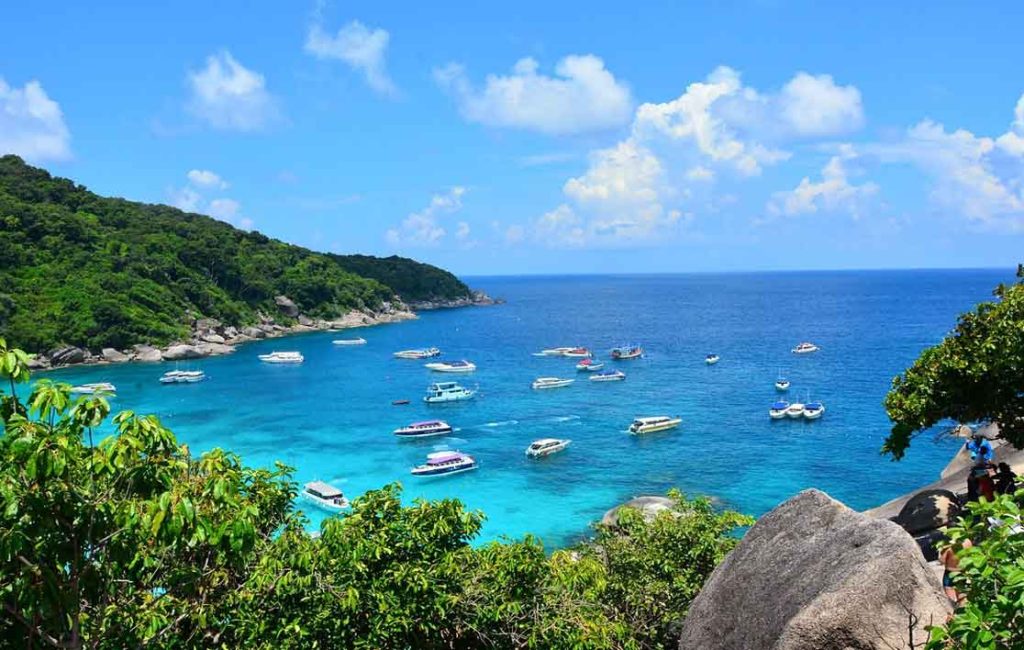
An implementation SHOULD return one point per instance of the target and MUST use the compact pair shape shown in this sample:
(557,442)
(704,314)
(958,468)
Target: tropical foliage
(98,272)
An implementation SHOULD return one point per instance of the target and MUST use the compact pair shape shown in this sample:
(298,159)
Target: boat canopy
(813,406)
(426,423)
(441,458)
(323,490)
(778,406)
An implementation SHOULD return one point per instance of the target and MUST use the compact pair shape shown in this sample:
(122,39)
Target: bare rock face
(649,507)
(113,356)
(208,349)
(182,351)
(147,354)
(38,362)
(67,356)
(305,321)
(814,574)
(254,332)
(213,338)
(928,510)
(287,306)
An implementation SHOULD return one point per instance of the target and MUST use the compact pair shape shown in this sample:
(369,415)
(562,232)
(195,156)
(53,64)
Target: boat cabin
(326,492)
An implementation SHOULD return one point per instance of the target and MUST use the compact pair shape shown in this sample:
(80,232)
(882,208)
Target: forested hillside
(81,269)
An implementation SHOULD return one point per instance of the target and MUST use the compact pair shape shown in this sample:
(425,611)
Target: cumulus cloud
(361,48)
(206,178)
(582,96)
(31,124)
(833,192)
(224,209)
(194,197)
(815,105)
(423,228)
(227,95)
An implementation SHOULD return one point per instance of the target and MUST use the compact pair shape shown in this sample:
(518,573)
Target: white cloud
(462,231)
(1012,142)
(515,233)
(582,96)
(229,96)
(361,48)
(224,209)
(206,178)
(31,124)
(193,198)
(815,105)
(422,228)
(833,192)
(186,199)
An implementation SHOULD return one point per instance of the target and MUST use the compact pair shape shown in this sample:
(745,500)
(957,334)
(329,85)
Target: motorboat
(626,352)
(182,377)
(324,496)
(553,352)
(441,463)
(550,382)
(779,410)
(424,429)
(423,353)
(452,366)
(92,389)
(282,357)
(356,341)
(546,447)
(654,424)
(577,353)
(781,384)
(589,365)
(447,391)
(805,348)
(813,410)
(795,410)
(608,375)
(711,359)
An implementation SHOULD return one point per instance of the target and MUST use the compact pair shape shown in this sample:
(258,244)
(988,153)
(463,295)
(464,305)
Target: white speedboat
(550,382)
(182,377)
(654,424)
(779,410)
(92,389)
(805,348)
(442,463)
(626,352)
(447,391)
(357,341)
(711,359)
(781,385)
(324,496)
(577,353)
(424,429)
(423,353)
(795,410)
(546,447)
(552,352)
(589,365)
(813,410)
(452,366)
(608,375)
(282,357)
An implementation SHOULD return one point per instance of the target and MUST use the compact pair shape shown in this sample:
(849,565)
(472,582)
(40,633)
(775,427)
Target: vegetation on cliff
(82,269)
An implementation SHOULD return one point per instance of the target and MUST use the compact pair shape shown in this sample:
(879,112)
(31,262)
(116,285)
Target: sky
(570,137)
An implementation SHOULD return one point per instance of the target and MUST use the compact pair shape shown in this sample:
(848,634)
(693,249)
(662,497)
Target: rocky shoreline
(210,337)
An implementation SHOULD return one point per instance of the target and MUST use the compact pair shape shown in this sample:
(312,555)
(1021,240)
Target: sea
(332,417)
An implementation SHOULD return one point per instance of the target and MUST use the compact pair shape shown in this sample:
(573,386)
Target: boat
(577,353)
(424,429)
(795,410)
(282,357)
(626,352)
(182,377)
(442,463)
(447,391)
(546,447)
(711,359)
(805,348)
(781,384)
(452,366)
(553,352)
(356,341)
(608,375)
(423,353)
(324,496)
(92,389)
(654,424)
(589,365)
(778,410)
(399,402)
(550,382)
(813,410)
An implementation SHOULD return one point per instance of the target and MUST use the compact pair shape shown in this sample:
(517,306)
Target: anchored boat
(626,352)
(358,341)
(282,357)
(577,353)
(711,359)
(324,496)
(452,366)
(778,410)
(608,375)
(550,382)
(423,353)
(442,463)
(654,424)
(589,365)
(424,429)
(447,391)
(92,389)
(182,377)
(813,410)
(805,348)
(546,447)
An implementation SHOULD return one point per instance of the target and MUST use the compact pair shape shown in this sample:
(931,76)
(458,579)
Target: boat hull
(405,433)
(541,453)
(655,428)
(441,471)
(325,505)
(548,386)
(449,398)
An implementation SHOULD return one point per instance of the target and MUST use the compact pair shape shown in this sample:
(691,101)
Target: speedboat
(781,385)
(546,447)
(654,424)
(813,410)
(441,463)
(711,359)
(625,352)
(550,382)
(92,389)
(452,366)
(324,496)
(424,429)
(778,410)
(552,352)
(282,357)
(795,410)
(182,377)
(577,353)
(447,391)
(357,341)
(423,353)
(589,365)
(608,375)
(805,348)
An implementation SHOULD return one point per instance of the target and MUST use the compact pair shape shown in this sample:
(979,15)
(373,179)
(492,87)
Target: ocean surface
(331,418)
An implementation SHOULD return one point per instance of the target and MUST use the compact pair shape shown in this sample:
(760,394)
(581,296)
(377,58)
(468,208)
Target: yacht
(92,389)
(624,352)
(654,424)
(424,429)
(589,365)
(608,375)
(452,366)
(778,410)
(447,391)
(546,447)
(550,382)
(711,359)
(577,353)
(182,377)
(423,353)
(356,341)
(324,496)
(813,410)
(442,463)
(795,410)
(805,348)
(781,384)
(282,357)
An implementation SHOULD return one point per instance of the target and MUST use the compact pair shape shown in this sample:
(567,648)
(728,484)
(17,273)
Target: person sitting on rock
(1006,480)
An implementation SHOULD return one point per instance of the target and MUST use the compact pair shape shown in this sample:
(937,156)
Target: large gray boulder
(254,332)
(287,306)
(67,356)
(183,351)
(113,356)
(928,510)
(147,354)
(814,574)
(649,506)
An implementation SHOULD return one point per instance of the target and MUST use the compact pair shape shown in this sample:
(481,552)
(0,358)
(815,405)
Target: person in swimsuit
(951,565)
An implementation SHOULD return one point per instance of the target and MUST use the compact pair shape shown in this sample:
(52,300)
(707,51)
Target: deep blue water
(332,417)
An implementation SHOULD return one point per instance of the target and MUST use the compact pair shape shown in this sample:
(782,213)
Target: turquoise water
(331,417)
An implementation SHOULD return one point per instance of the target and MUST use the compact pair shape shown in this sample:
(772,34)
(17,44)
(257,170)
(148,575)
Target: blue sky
(583,137)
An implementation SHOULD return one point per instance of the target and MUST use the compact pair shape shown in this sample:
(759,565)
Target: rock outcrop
(813,574)
(287,306)
(67,356)
(649,507)
(147,354)
(183,351)
(113,356)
